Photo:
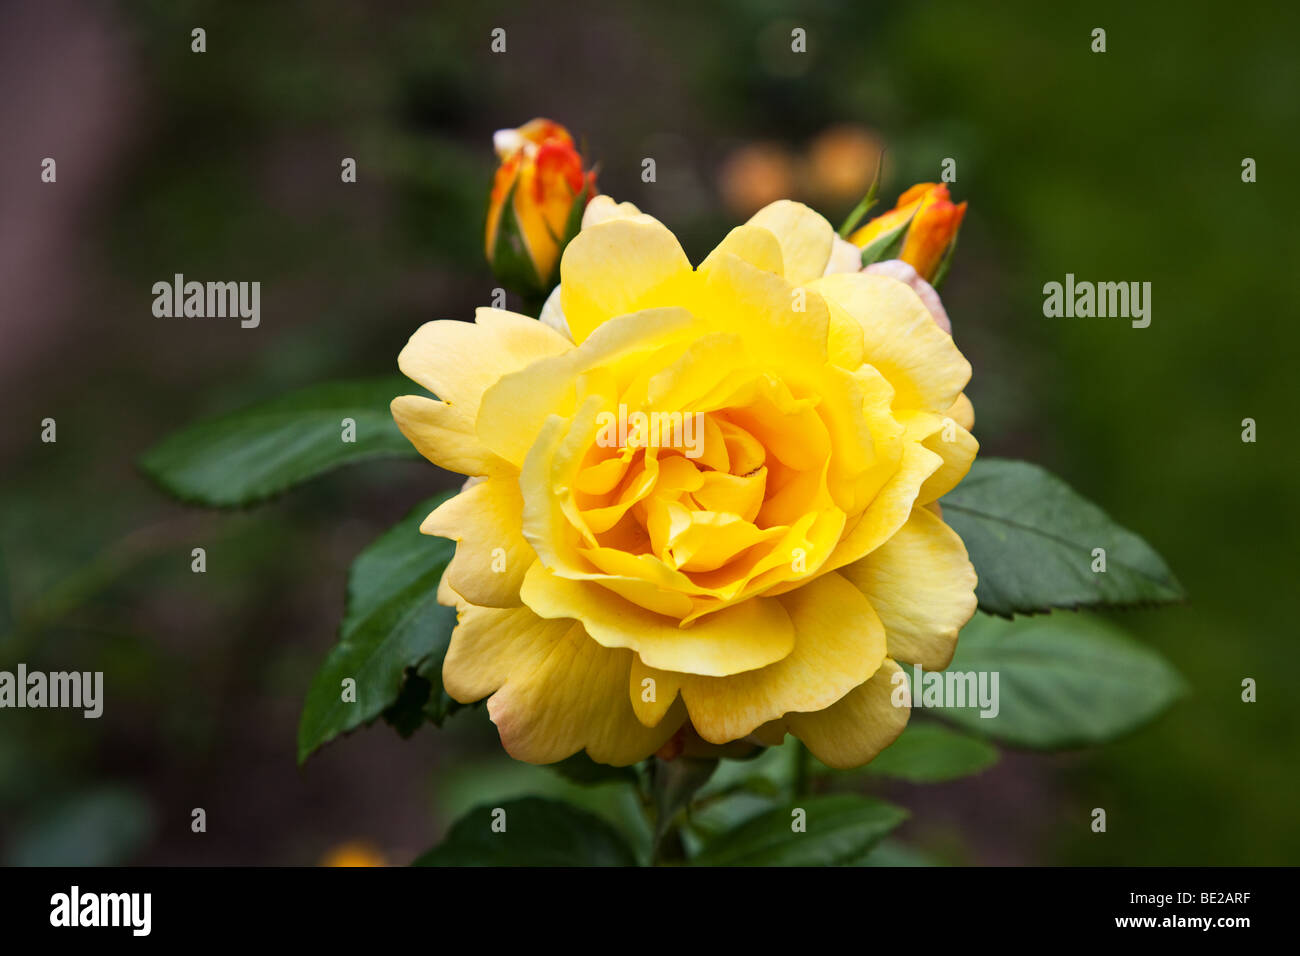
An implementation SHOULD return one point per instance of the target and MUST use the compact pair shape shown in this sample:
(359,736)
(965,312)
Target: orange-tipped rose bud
(934,226)
(536,205)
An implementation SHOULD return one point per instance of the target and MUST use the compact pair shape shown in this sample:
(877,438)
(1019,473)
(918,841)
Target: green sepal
(864,206)
(941,273)
(888,245)
(510,259)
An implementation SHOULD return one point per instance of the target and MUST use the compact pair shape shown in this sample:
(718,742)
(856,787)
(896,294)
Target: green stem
(673,784)
(802,770)
(669,850)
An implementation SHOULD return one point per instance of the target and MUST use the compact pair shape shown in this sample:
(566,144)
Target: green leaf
(406,713)
(494,778)
(107,826)
(1065,680)
(930,753)
(537,832)
(887,245)
(582,769)
(841,828)
(422,698)
(440,705)
(894,854)
(260,451)
(393,622)
(717,814)
(1031,538)
(767,772)
(864,206)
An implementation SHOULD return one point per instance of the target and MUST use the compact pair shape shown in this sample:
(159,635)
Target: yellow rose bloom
(755,569)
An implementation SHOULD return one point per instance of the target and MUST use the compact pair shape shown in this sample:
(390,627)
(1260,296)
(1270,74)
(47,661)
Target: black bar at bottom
(239,905)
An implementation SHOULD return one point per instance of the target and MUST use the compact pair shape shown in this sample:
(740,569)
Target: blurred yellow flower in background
(755,175)
(353,853)
(841,161)
(835,168)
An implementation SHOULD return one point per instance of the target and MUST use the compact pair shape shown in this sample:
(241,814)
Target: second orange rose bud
(935,221)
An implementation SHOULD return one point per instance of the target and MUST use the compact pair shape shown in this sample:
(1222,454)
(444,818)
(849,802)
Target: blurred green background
(1118,166)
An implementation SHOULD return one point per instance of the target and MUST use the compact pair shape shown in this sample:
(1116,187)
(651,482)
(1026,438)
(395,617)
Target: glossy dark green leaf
(931,753)
(251,454)
(406,713)
(440,705)
(393,623)
(1064,680)
(537,832)
(422,699)
(1031,538)
(840,829)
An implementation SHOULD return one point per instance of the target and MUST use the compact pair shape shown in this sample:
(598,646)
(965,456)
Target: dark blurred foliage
(225,165)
